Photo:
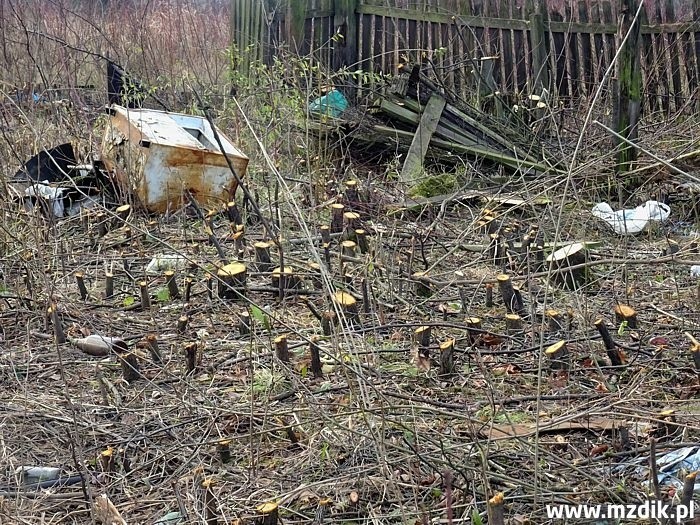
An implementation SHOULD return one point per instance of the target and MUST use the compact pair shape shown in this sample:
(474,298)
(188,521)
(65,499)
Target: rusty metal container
(159,155)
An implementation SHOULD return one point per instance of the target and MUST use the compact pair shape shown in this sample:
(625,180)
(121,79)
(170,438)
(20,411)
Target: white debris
(632,220)
(695,270)
(163,262)
(52,194)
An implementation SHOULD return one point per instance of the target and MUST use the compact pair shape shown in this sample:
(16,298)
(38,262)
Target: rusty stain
(181,156)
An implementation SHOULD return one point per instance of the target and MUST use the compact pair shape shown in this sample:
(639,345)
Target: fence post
(540,64)
(628,96)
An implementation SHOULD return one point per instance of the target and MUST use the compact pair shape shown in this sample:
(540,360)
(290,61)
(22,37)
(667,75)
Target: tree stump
(232,283)
(130,366)
(447,366)
(282,348)
(262,256)
(337,211)
(555,321)
(514,323)
(422,335)
(562,263)
(473,329)
(171,282)
(512,299)
(316,365)
(361,239)
(422,286)
(348,305)
(623,313)
(352,195)
(558,354)
(269,513)
(289,280)
(348,248)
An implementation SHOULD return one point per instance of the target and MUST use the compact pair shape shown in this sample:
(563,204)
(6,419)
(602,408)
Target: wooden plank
(540,69)
(413,165)
(627,103)
(345,45)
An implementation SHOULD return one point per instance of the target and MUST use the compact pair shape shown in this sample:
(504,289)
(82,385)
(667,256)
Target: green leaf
(260,316)
(163,295)
(622,329)
(476,518)
(129,300)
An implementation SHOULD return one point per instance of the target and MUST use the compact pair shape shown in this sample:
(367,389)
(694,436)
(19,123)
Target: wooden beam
(413,165)
(627,100)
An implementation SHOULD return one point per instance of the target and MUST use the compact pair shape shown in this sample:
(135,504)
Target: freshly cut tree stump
(351,221)
(352,195)
(495,510)
(154,348)
(511,296)
(262,256)
(232,284)
(473,329)
(422,335)
(191,357)
(447,366)
(423,288)
(624,312)
(244,323)
(610,346)
(269,514)
(123,212)
(694,350)
(289,280)
(182,324)
(361,239)
(171,282)
(109,285)
(223,448)
(233,214)
(488,302)
(348,305)
(325,235)
(514,323)
(282,348)
(105,511)
(555,321)
(561,262)
(337,211)
(145,297)
(80,281)
(59,334)
(189,281)
(348,248)
(558,354)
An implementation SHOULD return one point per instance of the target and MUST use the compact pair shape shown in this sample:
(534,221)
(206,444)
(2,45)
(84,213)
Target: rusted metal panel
(160,155)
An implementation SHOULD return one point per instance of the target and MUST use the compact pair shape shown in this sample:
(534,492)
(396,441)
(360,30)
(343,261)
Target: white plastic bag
(630,221)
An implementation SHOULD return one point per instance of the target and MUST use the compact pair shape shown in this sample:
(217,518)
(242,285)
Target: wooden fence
(567,45)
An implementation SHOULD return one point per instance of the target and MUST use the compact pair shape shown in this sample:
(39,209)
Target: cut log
(473,329)
(154,348)
(361,239)
(145,296)
(562,263)
(182,324)
(109,285)
(352,195)
(351,220)
(422,336)
(233,214)
(495,510)
(232,283)
(623,313)
(223,449)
